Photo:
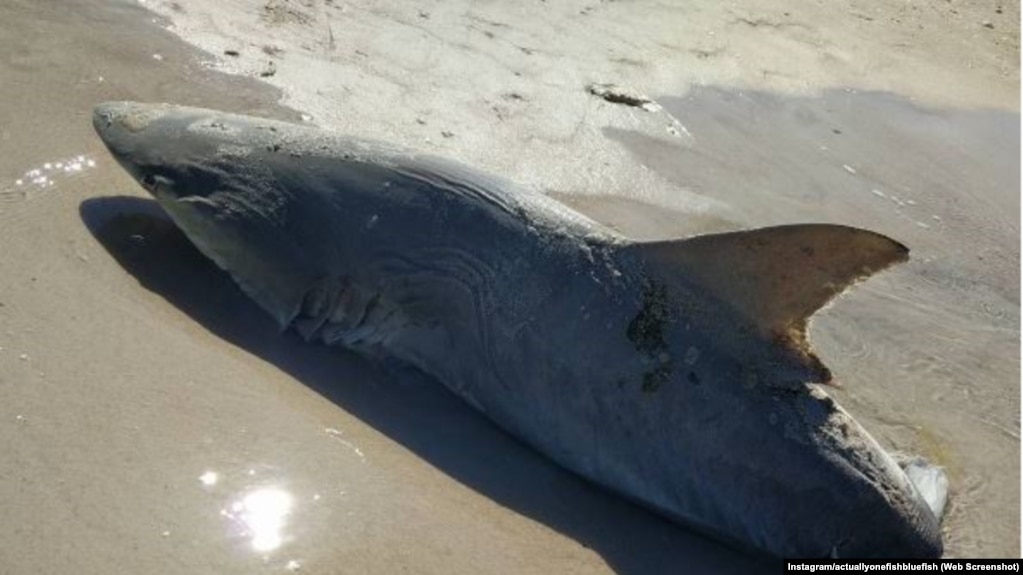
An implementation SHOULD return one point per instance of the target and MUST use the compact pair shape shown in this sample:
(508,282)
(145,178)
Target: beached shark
(676,373)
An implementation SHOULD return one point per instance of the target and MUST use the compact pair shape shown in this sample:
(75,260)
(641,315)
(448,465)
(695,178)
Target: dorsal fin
(776,278)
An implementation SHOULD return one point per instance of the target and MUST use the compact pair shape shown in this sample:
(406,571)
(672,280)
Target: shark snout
(121,125)
(142,138)
(132,116)
(105,114)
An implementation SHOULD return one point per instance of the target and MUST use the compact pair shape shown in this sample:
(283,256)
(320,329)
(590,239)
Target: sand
(152,420)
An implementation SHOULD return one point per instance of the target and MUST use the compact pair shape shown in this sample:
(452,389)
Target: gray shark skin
(675,373)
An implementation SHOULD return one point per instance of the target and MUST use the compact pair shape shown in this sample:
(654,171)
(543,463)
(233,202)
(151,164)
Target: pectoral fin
(929,480)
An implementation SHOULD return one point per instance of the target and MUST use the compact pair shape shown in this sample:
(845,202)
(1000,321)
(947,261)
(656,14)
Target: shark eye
(149,180)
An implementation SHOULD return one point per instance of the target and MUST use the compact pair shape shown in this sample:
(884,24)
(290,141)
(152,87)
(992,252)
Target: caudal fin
(774,279)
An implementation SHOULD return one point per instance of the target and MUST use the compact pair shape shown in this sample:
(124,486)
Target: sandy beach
(153,420)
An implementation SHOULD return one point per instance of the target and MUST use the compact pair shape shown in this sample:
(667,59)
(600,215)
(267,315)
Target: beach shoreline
(143,398)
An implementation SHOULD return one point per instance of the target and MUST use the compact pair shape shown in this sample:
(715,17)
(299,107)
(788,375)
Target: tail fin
(774,279)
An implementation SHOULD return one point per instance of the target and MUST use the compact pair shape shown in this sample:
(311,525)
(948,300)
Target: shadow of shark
(408,406)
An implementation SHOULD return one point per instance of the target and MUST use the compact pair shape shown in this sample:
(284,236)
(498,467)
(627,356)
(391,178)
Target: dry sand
(144,402)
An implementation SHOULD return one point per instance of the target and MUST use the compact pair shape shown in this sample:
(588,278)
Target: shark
(676,373)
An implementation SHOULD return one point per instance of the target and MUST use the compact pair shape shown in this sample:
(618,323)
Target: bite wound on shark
(675,373)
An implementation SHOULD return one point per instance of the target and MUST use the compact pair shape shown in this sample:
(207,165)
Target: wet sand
(154,421)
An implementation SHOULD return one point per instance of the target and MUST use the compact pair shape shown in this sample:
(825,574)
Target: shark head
(217,186)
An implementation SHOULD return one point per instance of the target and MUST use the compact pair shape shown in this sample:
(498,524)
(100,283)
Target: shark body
(676,373)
